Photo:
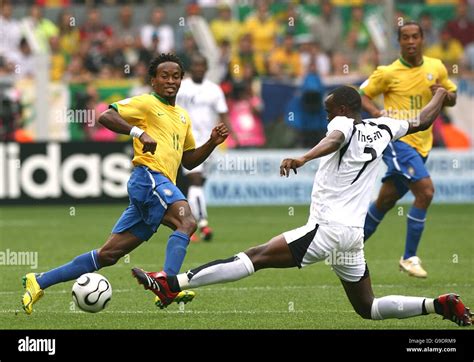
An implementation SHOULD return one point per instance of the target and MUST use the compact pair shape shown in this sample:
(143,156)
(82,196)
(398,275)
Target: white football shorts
(340,246)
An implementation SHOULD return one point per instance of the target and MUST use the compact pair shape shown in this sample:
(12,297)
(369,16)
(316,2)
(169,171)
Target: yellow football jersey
(406,90)
(169,126)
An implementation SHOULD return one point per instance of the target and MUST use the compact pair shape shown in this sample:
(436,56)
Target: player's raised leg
(363,301)
(273,254)
(116,246)
(178,217)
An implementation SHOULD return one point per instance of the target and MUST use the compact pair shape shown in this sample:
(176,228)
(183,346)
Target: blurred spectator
(189,48)
(113,56)
(461,28)
(293,23)
(57,60)
(340,64)
(448,50)
(10,29)
(224,27)
(124,28)
(430,33)
(264,31)
(10,110)
(310,53)
(245,54)
(305,112)
(42,28)
(156,35)
(76,71)
(327,28)
(6,68)
(23,60)
(141,73)
(244,115)
(68,33)
(225,55)
(468,61)
(368,61)
(93,30)
(285,62)
(357,35)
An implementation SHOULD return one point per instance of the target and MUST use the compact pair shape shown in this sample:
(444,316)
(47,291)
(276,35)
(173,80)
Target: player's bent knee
(108,257)
(257,256)
(188,225)
(364,309)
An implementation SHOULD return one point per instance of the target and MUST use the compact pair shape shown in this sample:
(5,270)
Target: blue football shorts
(150,194)
(405,165)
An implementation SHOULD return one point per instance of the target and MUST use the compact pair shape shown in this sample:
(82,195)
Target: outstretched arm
(111,119)
(328,144)
(193,158)
(429,112)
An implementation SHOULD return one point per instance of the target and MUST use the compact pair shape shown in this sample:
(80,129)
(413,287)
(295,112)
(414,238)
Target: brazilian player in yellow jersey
(407,85)
(162,140)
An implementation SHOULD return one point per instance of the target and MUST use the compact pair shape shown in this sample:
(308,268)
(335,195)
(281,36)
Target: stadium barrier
(98,172)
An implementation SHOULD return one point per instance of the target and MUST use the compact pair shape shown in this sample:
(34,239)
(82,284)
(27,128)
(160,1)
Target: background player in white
(350,155)
(206,105)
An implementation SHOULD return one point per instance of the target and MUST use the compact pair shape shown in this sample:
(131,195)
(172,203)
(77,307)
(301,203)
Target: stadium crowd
(290,46)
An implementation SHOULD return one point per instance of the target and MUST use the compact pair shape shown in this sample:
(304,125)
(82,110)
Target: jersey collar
(161,99)
(406,64)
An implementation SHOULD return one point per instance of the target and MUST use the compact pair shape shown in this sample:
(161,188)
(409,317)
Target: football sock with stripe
(415,224)
(219,271)
(85,263)
(175,252)
(372,220)
(399,306)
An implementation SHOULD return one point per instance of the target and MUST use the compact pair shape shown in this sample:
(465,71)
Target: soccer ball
(91,292)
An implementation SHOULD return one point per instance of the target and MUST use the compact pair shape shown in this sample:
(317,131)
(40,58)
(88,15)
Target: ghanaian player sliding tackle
(350,155)
(162,140)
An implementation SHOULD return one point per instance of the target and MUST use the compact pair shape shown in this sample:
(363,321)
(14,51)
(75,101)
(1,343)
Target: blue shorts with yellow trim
(150,195)
(405,165)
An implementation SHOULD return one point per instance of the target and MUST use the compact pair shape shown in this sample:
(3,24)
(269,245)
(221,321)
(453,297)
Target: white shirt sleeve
(342,124)
(220,105)
(398,127)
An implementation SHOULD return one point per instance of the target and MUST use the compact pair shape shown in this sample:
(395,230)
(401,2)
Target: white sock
(218,271)
(197,202)
(397,306)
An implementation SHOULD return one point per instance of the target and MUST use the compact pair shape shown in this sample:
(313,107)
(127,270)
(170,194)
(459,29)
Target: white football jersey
(203,101)
(343,183)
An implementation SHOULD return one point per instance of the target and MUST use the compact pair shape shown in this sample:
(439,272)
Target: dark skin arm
(430,111)
(111,119)
(328,144)
(450,99)
(193,158)
(369,106)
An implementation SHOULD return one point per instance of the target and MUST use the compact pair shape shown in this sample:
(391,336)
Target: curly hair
(163,58)
(347,96)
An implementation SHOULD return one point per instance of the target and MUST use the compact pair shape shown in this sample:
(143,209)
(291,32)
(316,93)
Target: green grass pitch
(270,299)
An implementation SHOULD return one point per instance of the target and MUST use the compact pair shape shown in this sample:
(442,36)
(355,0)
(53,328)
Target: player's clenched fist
(290,164)
(149,144)
(219,133)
